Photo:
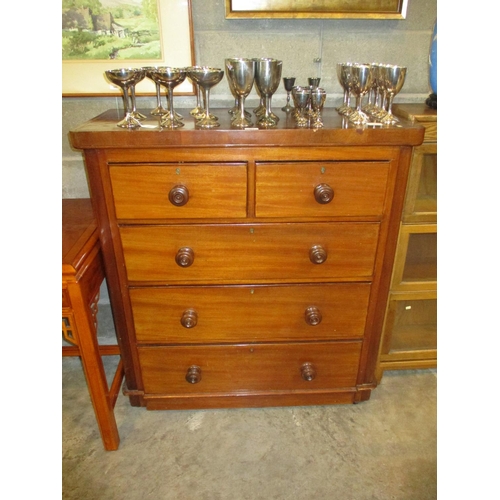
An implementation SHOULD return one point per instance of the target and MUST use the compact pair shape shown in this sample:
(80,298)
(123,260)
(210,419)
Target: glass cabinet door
(421,191)
(415,266)
(410,326)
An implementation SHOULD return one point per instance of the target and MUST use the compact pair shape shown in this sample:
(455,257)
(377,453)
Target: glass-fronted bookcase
(409,338)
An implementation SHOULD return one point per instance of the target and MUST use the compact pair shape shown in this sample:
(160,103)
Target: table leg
(94,369)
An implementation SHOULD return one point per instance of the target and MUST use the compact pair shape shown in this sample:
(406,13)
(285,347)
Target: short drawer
(249,367)
(248,253)
(217,314)
(321,189)
(179,190)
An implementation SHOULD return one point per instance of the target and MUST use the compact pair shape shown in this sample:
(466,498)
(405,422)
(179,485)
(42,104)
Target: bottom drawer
(249,367)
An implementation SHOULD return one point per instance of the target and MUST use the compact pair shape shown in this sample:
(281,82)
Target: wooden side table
(82,276)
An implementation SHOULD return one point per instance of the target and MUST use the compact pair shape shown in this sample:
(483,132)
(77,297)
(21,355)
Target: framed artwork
(108,34)
(341,9)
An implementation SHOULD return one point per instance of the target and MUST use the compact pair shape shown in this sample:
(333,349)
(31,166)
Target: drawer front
(245,252)
(290,189)
(249,313)
(251,367)
(208,190)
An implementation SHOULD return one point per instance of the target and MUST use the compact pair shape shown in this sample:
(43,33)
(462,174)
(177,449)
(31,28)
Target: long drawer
(250,252)
(249,367)
(179,190)
(217,314)
(320,189)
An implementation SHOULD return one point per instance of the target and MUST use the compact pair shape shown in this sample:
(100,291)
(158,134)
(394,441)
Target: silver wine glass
(198,111)
(394,79)
(159,110)
(301,98)
(170,78)
(288,83)
(206,77)
(361,78)
(267,79)
(125,78)
(241,75)
(140,74)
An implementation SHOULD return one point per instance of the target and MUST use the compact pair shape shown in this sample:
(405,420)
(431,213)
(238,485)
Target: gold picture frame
(302,9)
(86,77)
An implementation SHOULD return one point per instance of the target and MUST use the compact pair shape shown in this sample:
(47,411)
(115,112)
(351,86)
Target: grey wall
(297,43)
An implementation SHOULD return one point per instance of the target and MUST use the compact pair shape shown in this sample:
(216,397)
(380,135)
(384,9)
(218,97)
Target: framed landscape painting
(108,34)
(301,9)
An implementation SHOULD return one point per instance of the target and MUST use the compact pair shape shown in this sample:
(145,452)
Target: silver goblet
(394,79)
(288,82)
(267,80)
(170,78)
(344,77)
(206,77)
(378,110)
(318,97)
(126,78)
(241,75)
(301,98)
(361,78)
(313,82)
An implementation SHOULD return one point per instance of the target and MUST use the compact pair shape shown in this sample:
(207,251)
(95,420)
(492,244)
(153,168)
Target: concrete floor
(381,449)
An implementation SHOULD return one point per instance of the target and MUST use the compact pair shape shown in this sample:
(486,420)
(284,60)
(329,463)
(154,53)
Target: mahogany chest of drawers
(247,267)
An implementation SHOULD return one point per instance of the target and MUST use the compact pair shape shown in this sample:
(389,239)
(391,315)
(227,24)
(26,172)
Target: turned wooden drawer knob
(308,372)
(179,195)
(184,257)
(313,316)
(189,318)
(317,254)
(193,375)
(323,194)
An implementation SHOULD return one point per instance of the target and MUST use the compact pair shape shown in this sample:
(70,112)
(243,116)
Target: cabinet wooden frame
(398,281)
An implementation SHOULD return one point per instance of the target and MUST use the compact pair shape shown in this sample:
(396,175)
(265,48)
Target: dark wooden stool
(82,276)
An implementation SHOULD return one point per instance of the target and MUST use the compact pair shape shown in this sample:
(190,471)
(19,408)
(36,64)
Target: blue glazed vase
(433,61)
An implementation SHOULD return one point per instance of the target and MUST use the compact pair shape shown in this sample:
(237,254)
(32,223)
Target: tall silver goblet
(206,77)
(361,78)
(378,110)
(170,78)
(394,79)
(125,78)
(235,109)
(288,82)
(241,75)
(372,93)
(267,79)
